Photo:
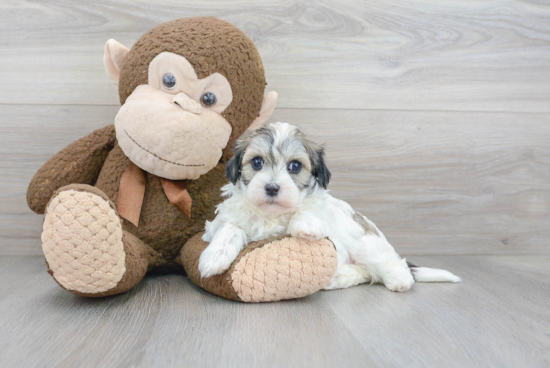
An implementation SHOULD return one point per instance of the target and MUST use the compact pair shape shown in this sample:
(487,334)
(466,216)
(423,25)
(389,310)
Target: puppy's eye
(257,163)
(208,99)
(169,80)
(295,167)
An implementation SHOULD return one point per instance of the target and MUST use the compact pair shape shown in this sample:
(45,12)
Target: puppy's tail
(424,274)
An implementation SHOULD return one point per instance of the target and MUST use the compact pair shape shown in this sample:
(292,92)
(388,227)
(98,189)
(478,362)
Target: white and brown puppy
(278,186)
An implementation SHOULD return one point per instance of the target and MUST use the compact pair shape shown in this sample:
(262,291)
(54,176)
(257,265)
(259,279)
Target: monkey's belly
(162,225)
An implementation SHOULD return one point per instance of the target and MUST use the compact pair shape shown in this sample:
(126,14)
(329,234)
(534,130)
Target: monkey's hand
(78,163)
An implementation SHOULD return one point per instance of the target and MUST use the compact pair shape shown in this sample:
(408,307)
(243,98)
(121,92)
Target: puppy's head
(276,167)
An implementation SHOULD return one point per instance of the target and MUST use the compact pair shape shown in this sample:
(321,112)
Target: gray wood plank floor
(498,317)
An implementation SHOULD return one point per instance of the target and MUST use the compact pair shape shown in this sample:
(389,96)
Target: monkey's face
(188,89)
(172,127)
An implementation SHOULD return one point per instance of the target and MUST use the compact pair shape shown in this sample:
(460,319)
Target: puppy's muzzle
(272,189)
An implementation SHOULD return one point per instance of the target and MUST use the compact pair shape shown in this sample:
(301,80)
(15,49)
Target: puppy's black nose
(272,189)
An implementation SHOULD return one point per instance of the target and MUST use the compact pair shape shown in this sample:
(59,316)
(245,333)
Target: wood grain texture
(441,182)
(434,182)
(498,317)
(353,54)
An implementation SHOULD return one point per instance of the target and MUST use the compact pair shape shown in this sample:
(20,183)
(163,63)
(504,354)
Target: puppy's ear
(235,164)
(319,168)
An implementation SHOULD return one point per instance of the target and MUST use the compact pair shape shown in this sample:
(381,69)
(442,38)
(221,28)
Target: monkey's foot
(267,270)
(82,239)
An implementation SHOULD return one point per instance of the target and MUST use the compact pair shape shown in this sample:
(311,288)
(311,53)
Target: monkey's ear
(235,164)
(113,58)
(268,105)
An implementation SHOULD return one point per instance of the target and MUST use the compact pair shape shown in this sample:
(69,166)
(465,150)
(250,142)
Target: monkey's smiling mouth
(157,156)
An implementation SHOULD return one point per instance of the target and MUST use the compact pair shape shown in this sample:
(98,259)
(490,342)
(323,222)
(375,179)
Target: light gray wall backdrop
(435,114)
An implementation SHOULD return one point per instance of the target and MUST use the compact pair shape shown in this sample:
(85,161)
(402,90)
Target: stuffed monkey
(125,199)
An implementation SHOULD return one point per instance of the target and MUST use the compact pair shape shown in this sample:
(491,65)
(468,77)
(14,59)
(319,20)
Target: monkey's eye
(257,163)
(208,99)
(169,80)
(294,167)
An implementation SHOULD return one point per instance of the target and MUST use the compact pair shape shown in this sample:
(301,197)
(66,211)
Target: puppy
(279,186)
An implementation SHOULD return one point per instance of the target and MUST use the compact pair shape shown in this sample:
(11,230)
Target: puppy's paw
(308,228)
(346,276)
(399,280)
(214,262)
(333,284)
(339,281)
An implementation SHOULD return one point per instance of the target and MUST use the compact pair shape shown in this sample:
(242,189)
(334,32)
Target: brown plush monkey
(126,198)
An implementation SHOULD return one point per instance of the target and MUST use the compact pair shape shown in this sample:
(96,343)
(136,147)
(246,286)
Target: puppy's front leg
(306,225)
(224,248)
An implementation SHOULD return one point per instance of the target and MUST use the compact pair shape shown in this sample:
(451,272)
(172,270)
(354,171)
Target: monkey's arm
(78,163)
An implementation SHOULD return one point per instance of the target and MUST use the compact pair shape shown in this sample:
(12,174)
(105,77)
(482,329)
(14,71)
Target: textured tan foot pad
(82,242)
(269,270)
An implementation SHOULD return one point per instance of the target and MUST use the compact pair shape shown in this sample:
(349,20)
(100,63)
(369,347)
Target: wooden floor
(436,120)
(498,317)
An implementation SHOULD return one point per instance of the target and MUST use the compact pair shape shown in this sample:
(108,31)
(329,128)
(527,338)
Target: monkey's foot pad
(268,270)
(82,241)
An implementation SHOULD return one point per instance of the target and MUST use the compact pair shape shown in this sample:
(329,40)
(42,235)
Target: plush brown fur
(220,284)
(96,163)
(192,39)
(139,257)
(80,162)
(268,270)
(210,45)
(162,225)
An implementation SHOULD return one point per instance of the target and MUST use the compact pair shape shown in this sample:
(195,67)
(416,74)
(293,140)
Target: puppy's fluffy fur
(278,186)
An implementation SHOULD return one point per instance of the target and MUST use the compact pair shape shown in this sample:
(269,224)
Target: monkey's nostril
(272,189)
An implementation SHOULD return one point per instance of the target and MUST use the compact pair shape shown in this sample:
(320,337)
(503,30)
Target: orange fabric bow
(132,189)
